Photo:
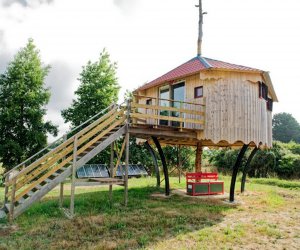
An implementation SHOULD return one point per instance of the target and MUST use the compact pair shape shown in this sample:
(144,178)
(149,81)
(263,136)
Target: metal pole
(235,171)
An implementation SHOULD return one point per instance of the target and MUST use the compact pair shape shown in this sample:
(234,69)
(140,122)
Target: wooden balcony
(173,121)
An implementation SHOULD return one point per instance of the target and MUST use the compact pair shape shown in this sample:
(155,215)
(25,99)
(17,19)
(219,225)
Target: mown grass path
(267,217)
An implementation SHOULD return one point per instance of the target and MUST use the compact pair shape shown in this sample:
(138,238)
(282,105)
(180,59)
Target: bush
(283,161)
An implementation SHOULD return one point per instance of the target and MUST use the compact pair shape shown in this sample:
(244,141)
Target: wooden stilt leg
(111,171)
(61,195)
(72,202)
(126,169)
(198,160)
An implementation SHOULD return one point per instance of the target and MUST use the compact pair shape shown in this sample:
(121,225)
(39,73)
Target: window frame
(195,92)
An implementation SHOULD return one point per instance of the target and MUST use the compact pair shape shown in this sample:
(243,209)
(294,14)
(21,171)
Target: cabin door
(164,95)
(177,94)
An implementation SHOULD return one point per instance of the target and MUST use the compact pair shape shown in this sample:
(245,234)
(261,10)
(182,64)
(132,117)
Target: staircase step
(55,174)
(22,200)
(30,193)
(48,180)
(38,186)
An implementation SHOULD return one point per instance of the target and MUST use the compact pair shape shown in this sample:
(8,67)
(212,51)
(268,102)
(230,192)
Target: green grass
(277,182)
(145,222)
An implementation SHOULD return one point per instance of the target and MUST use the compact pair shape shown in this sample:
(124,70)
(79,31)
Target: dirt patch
(7,230)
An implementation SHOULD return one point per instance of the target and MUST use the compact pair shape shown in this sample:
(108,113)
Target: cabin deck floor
(168,135)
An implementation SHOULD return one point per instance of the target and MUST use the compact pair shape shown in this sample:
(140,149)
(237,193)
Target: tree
(97,90)
(285,128)
(23,97)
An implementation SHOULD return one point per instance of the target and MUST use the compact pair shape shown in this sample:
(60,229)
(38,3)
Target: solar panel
(101,171)
(92,171)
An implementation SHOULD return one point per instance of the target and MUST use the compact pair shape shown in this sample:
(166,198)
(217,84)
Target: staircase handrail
(61,138)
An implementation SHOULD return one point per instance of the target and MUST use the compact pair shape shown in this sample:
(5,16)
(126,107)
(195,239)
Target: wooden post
(61,195)
(127,155)
(179,162)
(61,189)
(73,177)
(111,171)
(12,202)
(198,160)
(181,116)
(126,169)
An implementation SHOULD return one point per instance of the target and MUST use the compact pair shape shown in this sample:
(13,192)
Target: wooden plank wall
(234,111)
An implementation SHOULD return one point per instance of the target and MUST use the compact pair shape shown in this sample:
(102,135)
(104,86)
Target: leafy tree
(23,97)
(285,128)
(97,90)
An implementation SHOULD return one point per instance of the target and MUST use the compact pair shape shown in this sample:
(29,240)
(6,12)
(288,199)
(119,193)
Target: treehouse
(224,104)
(203,102)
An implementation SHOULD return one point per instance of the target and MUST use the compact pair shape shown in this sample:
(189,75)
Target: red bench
(196,186)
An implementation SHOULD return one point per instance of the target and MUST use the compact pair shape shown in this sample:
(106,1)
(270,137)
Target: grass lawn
(266,217)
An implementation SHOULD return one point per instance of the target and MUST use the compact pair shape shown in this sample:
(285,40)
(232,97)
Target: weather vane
(200,34)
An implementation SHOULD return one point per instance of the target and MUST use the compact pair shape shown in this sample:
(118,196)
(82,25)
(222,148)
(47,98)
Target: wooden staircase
(31,180)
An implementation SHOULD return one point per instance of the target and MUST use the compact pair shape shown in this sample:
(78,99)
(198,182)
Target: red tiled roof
(193,66)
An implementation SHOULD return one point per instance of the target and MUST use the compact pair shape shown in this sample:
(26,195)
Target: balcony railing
(166,112)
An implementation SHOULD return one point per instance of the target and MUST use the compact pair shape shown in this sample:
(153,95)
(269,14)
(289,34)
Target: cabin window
(198,92)
(270,104)
(149,102)
(263,90)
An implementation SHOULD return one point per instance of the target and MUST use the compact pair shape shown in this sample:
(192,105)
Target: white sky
(150,37)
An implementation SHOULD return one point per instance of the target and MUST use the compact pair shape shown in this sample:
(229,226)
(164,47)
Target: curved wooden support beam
(154,158)
(164,163)
(246,168)
(235,171)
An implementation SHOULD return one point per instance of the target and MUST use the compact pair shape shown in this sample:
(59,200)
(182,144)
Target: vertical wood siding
(234,111)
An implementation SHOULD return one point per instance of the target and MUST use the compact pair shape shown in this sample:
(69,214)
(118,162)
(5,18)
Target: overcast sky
(150,37)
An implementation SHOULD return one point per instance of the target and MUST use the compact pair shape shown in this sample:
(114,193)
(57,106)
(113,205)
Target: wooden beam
(72,201)
(126,169)
(167,118)
(198,160)
(156,107)
(111,168)
(119,157)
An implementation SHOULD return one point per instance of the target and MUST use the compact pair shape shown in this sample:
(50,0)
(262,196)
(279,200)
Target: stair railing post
(127,154)
(12,202)
(73,177)
(181,115)
(111,171)
(61,189)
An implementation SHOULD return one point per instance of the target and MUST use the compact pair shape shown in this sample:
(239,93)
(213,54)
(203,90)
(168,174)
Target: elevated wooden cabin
(229,104)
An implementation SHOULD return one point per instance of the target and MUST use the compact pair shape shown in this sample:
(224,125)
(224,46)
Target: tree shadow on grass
(102,225)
